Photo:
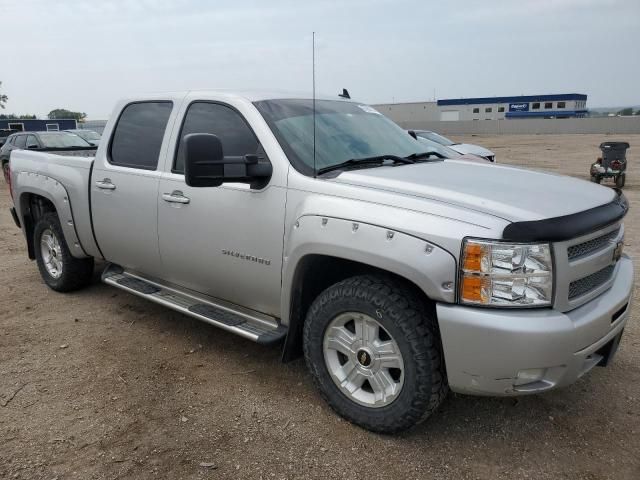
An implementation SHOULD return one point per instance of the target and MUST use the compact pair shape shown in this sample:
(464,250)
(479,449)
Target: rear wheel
(374,353)
(60,270)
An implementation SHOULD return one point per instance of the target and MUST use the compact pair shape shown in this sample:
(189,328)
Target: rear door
(124,185)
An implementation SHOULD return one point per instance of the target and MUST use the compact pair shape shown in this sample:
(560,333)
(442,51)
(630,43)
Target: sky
(83,55)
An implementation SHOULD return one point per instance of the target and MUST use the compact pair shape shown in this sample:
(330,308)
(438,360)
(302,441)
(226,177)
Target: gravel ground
(101,384)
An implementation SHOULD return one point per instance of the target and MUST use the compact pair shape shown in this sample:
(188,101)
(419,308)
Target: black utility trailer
(612,163)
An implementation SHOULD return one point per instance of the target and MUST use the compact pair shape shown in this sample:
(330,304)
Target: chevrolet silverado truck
(321,225)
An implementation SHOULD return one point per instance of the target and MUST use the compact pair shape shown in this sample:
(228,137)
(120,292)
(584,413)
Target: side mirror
(206,166)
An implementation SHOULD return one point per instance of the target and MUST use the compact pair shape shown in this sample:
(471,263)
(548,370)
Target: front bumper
(486,349)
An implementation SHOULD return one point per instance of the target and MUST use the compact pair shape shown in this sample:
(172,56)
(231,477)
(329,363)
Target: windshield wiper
(421,155)
(357,162)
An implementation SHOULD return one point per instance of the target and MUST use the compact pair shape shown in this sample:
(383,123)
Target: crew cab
(320,225)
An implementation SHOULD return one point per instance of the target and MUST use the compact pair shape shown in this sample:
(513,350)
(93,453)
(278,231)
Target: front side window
(227,124)
(138,135)
(343,131)
(32,142)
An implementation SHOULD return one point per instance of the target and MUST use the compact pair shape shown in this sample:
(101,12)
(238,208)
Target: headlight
(506,274)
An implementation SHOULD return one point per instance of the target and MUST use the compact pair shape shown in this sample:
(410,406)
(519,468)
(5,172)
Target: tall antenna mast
(313,74)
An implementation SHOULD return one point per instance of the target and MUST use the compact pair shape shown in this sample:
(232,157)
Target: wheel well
(316,273)
(33,208)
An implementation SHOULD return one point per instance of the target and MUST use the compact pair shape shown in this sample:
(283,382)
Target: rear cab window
(138,135)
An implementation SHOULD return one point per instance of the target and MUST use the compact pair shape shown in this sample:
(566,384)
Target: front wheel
(60,270)
(620,180)
(373,350)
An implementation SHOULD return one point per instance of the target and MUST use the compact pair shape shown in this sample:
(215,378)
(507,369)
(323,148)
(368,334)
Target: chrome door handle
(105,184)
(175,197)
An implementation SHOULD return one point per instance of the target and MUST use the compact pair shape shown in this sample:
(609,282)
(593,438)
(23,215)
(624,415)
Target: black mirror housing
(206,166)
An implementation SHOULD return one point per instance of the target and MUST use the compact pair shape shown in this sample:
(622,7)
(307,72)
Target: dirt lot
(101,384)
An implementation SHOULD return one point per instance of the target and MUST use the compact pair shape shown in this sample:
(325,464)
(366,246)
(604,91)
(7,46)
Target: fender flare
(49,188)
(404,255)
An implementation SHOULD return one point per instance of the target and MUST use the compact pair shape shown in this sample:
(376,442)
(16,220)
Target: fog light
(529,376)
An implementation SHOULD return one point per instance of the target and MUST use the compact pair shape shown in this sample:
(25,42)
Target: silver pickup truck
(325,227)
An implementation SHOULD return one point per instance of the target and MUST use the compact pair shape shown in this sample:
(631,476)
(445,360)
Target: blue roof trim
(517,99)
(546,113)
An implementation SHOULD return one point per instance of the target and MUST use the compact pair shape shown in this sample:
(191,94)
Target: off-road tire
(76,272)
(412,324)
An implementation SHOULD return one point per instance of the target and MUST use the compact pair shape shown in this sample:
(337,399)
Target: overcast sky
(83,55)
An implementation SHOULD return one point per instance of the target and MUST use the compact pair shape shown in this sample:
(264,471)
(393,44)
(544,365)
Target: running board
(254,326)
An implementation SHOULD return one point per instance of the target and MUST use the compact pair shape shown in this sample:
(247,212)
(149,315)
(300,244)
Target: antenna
(313,74)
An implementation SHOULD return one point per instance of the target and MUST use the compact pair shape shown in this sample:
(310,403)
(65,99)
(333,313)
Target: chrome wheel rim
(363,360)
(51,253)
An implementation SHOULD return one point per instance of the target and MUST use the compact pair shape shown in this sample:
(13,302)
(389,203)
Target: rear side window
(138,135)
(20,141)
(235,134)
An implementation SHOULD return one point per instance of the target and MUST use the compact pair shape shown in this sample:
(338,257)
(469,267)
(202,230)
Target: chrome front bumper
(485,350)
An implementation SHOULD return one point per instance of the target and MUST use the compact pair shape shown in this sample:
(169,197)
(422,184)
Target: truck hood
(512,193)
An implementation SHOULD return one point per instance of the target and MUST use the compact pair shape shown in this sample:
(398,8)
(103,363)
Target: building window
(53,127)
(500,109)
(561,104)
(16,126)
(488,110)
(476,110)
(535,106)
(548,105)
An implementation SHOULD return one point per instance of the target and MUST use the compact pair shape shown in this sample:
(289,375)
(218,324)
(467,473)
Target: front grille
(586,284)
(585,248)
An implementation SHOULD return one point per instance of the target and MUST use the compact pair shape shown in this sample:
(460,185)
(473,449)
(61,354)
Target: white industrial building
(569,105)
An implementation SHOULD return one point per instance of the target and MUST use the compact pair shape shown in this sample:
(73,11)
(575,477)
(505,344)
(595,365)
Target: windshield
(61,140)
(344,131)
(89,135)
(436,147)
(436,138)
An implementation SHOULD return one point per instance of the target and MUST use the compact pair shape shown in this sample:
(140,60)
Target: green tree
(626,111)
(60,113)
(3,98)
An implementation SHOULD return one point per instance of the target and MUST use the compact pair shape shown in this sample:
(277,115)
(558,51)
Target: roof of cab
(250,95)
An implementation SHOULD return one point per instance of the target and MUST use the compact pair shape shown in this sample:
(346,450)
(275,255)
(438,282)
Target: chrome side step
(254,326)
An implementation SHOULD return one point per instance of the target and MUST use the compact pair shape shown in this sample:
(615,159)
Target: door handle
(175,197)
(105,184)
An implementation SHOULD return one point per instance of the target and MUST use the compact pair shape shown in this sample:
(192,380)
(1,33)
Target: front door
(222,241)
(124,188)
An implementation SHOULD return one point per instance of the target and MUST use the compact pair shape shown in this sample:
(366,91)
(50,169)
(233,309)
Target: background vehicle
(59,142)
(88,135)
(398,275)
(4,133)
(446,152)
(612,163)
(458,147)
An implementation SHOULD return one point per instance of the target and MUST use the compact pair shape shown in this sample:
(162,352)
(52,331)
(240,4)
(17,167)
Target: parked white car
(462,148)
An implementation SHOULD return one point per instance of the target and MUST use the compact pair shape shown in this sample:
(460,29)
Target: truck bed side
(63,180)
